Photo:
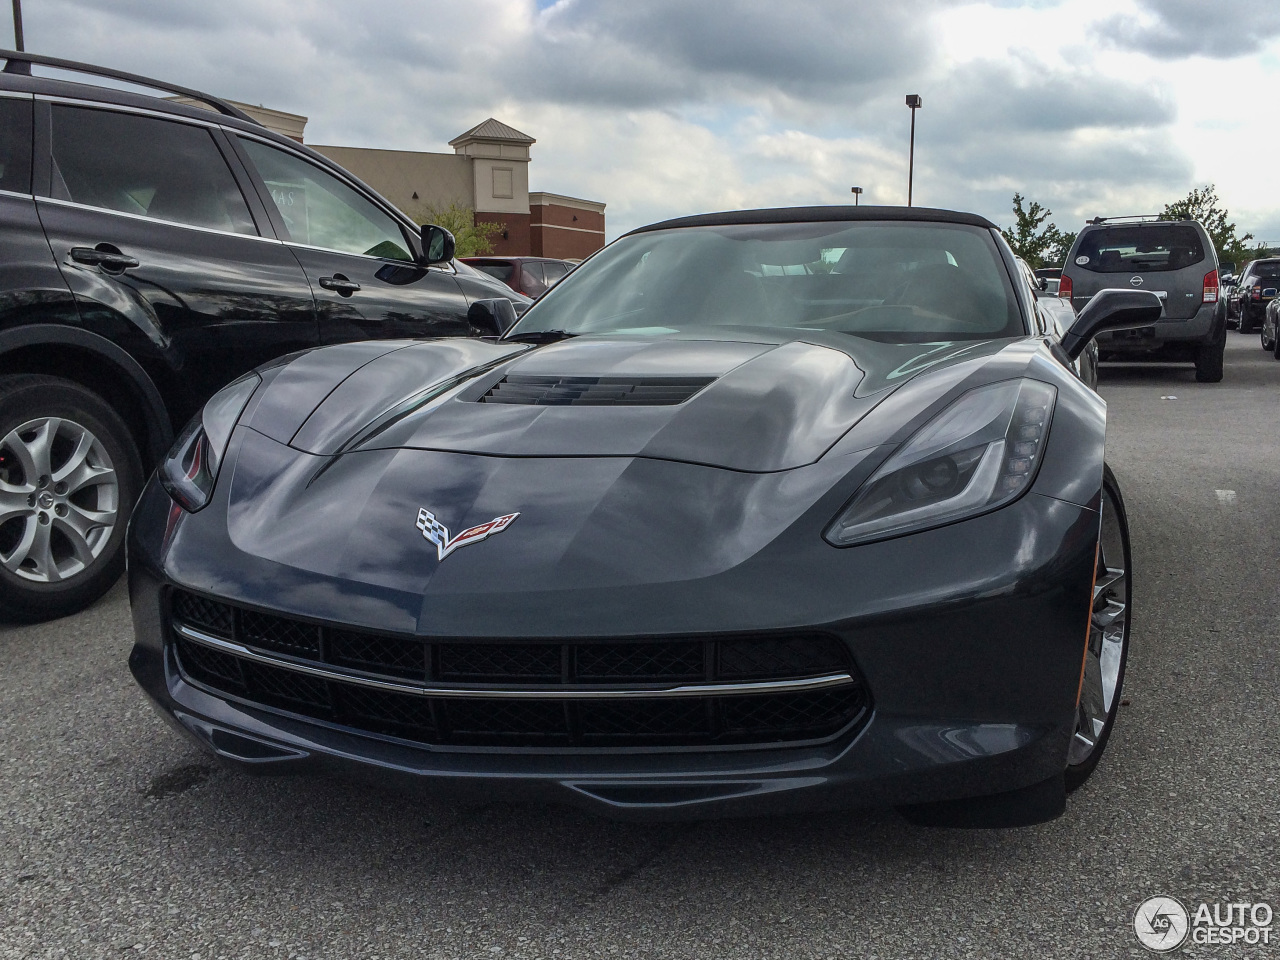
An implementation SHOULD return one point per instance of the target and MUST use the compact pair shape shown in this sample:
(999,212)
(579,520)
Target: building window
(503,183)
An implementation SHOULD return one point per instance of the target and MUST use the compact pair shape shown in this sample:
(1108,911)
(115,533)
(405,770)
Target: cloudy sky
(668,107)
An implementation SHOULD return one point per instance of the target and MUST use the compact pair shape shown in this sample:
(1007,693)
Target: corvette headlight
(191,468)
(979,453)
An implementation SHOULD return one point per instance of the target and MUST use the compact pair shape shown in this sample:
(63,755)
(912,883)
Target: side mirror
(1043,284)
(437,244)
(1111,310)
(491,318)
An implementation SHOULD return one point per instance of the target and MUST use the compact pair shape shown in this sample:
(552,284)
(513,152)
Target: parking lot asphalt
(117,838)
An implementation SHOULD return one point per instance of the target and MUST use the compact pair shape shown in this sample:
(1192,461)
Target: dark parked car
(1175,260)
(532,276)
(1227,293)
(150,253)
(757,511)
(1271,328)
(1255,289)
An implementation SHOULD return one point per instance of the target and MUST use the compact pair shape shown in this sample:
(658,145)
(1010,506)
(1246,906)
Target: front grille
(278,634)
(595,391)
(475,721)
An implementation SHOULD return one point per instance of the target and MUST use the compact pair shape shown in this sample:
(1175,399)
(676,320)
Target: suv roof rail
(1131,218)
(20,63)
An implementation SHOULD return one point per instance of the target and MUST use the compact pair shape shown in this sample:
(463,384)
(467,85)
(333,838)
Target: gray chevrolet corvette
(755,512)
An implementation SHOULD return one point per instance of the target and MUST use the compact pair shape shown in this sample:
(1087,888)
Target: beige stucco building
(488,172)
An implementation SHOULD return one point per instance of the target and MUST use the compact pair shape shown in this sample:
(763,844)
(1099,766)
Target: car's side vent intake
(595,391)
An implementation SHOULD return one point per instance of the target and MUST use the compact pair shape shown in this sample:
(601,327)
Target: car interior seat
(945,289)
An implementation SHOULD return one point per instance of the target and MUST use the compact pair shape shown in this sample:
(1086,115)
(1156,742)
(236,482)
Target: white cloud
(665,107)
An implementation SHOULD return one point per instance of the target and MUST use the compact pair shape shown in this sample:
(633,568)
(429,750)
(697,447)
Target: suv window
(321,211)
(141,165)
(1266,270)
(1144,248)
(555,271)
(501,271)
(531,278)
(15,145)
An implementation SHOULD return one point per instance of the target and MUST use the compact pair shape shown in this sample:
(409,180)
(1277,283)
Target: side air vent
(595,391)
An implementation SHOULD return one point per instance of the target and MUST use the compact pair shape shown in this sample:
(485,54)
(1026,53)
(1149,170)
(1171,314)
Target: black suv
(1175,260)
(151,252)
(1256,287)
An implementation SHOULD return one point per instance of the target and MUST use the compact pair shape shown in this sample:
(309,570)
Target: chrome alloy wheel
(59,499)
(1108,636)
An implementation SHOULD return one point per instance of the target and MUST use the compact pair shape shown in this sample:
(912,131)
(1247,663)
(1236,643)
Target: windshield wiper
(539,336)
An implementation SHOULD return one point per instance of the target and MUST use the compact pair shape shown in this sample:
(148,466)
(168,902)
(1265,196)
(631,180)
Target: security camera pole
(915,103)
(17,26)
(857,194)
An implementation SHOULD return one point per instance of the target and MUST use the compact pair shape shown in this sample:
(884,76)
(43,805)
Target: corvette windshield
(884,280)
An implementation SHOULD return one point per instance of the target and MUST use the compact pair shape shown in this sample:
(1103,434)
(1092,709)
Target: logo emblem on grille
(435,531)
(1135,282)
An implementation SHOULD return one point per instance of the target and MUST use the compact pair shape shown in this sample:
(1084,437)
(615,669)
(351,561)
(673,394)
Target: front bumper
(971,659)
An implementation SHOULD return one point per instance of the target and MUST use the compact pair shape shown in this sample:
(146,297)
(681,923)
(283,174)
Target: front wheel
(69,475)
(1108,649)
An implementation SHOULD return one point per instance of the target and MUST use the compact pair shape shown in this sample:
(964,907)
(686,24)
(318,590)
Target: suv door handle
(339,284)
(107,259)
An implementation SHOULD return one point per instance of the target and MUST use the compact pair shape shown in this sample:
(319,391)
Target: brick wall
(516,243)
(565,232)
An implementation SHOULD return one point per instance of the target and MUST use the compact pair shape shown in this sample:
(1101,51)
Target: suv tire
(1209,357)
(71,473)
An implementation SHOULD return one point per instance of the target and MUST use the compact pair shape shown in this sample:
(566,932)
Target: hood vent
(595,391)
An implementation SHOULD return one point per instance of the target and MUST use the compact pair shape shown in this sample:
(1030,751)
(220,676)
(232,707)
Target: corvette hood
(750,404)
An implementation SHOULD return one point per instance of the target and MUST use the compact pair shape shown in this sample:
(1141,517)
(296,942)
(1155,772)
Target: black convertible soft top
(803,214)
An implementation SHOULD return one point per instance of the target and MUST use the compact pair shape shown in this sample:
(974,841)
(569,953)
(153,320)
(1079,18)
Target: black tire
(25,398)
(1209,358)
(1245,325)
(1275,344)
(1077,773)
(1262,335)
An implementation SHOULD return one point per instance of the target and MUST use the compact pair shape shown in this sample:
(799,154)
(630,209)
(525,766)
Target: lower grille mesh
(689,721)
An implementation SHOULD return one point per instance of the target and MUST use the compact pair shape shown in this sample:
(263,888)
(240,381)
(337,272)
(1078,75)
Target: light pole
(17,26)
(857,194)
(915,103)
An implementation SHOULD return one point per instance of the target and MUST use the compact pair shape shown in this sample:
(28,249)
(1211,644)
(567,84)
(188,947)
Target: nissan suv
(152,251)
(1175,260)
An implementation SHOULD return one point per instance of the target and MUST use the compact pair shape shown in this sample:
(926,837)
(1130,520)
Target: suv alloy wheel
(69,474)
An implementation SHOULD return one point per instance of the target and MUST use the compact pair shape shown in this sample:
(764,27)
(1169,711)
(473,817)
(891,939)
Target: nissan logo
(1135,282)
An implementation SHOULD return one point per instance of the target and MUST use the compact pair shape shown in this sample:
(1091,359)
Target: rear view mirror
(1111,310)
(1043,284)
(437,244)
(491,318)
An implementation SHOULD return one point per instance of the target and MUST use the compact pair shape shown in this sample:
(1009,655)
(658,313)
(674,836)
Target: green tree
(1058,253)
(1202,204)
(472,239)
(1033,240)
